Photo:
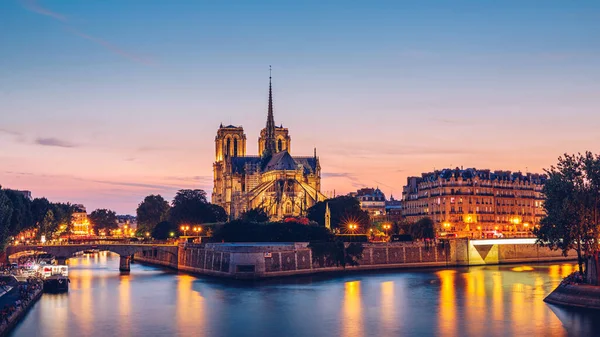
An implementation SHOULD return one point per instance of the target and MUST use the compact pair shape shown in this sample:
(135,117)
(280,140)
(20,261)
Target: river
(150,301)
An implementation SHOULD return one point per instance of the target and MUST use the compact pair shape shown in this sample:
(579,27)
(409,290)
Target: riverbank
(15,305)
(268,260)
(575,295)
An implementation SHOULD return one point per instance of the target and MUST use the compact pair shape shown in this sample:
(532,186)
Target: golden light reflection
(522,268)
(497,297)
(190,306)
(447,312)
(352,320)
(124,305)
(475,299)
(566,270)
(387,306)
(85,309)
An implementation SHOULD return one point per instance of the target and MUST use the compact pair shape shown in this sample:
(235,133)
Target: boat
(56,284)
(56,278)
(91,251)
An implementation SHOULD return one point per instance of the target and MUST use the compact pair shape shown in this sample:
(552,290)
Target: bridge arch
(64,252)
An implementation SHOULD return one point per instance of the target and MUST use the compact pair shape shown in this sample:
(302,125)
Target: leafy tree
(104,219)
(39,207)
(163,230)
(63,214)
(47,224)
(571,207)
(336,253)
(151,211)
(191,207)
(422,229)
(21,217)
(6,210)
(343,209)
(255,215)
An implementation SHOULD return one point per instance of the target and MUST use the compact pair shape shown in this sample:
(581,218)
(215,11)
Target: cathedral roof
(281,161)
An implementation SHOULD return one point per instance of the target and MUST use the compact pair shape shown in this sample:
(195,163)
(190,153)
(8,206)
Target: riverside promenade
(16,302)
(267,260)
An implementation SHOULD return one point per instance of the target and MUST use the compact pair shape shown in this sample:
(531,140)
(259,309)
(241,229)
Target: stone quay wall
(263,260)
(575,295)
(14,319)
(163,256)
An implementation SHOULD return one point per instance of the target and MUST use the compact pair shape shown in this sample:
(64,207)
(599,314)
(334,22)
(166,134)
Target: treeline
(189,207)
(18,213)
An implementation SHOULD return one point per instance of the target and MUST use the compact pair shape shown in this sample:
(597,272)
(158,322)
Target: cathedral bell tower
(230,142)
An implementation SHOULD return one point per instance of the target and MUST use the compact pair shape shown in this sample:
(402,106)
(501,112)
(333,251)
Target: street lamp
(197,229)
(386,227)
(352,227)
(184,229)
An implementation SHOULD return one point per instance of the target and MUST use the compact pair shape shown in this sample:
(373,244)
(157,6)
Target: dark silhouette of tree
(255,215)
(571,205)
(422,229)
(150,212)
(191,207)
(104,219)
(163,230)
(343,209)
(336,253)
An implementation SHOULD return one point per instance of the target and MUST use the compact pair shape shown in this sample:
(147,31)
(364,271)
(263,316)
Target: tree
(343,209)
(63,215)
(21,217)
(6,210)
(163,230)
(255,215)
(151,211)
(571,207)
(191,207)
(422,229)
(104,219)
(47,224)
(329,253)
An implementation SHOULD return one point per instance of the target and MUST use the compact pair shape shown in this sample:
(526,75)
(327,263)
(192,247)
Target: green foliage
(163,230)
(330,253)
(571,206)
(21,217)
(255,215)
(5,216)
(191,207)
(104,219)
(343,209)
(242,231)
(150,212)
(422,229)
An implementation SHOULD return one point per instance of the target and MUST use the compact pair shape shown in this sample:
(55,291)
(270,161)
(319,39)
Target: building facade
(282,184)
(372,200)
(475,202)
(79,221)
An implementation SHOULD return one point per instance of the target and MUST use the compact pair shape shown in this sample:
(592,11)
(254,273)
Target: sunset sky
(105,102)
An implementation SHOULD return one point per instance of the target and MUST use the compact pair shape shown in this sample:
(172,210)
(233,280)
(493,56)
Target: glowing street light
(197,230)
(172,234)
(147,234)
(184,229)
(386,227)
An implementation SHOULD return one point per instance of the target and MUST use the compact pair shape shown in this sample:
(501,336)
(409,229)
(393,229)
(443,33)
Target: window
(235,147)
(228,147)
(279,145)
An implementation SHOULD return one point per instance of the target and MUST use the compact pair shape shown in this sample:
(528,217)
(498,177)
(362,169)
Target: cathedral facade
(274,180)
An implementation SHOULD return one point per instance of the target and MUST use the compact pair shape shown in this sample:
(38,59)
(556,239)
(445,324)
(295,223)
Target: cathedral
(273,180)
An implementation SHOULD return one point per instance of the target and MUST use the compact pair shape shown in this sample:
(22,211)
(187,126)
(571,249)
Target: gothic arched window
(279,145)
(235,147)
(288,208)
(228,147)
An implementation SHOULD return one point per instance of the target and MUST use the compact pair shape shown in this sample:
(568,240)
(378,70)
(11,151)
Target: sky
(105,102)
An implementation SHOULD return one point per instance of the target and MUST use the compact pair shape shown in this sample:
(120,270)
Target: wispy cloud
(355,182)
(10,132)
(111,47)
(33,6)
(54,142)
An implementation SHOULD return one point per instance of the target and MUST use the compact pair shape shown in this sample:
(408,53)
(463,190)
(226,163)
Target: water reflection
(478,301)
(352,324)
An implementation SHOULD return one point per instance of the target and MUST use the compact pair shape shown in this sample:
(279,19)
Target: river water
(150,301)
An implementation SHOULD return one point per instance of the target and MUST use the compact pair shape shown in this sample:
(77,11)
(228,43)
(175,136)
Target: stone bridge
(64,252)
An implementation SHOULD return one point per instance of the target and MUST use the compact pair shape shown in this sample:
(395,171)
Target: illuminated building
(79,221)
(473,201)
(371,200)
(274,180)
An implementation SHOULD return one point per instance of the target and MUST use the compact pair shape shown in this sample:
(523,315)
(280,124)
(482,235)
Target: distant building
(79,220)
(371,200)
(127,225)
(26,194)
(473,201)
(393,209)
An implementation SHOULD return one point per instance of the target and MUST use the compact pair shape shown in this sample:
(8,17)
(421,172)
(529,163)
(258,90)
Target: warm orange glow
(447,320)
(352,324)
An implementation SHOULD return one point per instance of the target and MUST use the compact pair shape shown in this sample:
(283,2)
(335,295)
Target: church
(274,180)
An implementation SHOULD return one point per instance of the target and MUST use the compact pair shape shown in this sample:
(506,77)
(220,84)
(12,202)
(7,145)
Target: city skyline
(103,107)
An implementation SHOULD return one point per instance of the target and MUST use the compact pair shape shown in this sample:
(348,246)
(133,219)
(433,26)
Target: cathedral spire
(270,143)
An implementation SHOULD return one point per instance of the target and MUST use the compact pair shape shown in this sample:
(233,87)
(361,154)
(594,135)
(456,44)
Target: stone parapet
(575,295)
